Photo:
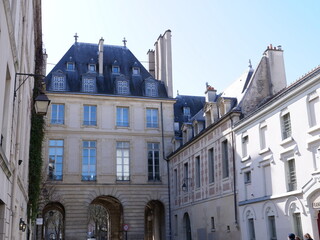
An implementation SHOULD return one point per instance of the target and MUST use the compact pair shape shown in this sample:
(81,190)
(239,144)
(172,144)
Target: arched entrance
(105,218)
(154,221)
(187,226)
(53,221)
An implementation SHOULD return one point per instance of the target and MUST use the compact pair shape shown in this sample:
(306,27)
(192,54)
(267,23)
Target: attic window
(92,67)
(123,87)
(136,71)
(186,111)
(151,89)
(59,83)
(70,66)
(88,85)
(116,69)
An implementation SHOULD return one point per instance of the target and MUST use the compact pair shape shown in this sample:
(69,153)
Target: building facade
(278,149)
(20,42)
(202,165)
(107,135)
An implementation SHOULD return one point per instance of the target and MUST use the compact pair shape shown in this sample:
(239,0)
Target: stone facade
(20,38)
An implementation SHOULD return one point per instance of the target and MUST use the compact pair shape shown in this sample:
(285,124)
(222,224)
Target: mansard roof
(83,54)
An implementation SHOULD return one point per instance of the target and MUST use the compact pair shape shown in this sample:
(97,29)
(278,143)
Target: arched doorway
(105,218)
(187,226)
(53,221)
(154,221)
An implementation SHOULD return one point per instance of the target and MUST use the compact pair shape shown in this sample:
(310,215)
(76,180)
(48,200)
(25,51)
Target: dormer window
(122,87)
(88,84)
(70,66)
(186,111)
(151,88)
(59,83)
(115,69)
(136,71)
(92,67)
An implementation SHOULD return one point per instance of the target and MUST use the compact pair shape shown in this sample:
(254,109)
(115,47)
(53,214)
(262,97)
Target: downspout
(168,172)
(234,177)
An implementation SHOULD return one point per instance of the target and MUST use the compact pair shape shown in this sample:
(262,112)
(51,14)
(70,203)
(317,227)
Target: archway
(105,218)
(154,221)
(53,221)
(187,226)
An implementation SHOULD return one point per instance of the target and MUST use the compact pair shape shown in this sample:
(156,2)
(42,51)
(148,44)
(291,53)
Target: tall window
(212,224)
(175,179)
(198,172)
(90,115)
(252,235)
(185,185)
(314,108)
(263,131)
(286,126)
(88,85)
(122,87)
(245,142)
(123,157)
(211,165)
(151,89)
(272,228)
(89,155)
(247,177)
(225,159)
(152,118)
(55,159)
(59,83)
(297,224)
(57,114)
(153,162)
(122,117)
(186,112)
(291,178)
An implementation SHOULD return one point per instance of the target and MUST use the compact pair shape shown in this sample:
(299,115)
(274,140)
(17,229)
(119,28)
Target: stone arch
(248,212)
(269,208)
(154,220)
(187,227)
(53,215)
(294,204)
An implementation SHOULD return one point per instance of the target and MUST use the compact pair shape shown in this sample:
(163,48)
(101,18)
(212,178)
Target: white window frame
(286,128)
(154,157)
(91,67)
(92,119)
(136,71)
(70,66)
(313,106)
(291,175)
(152,118)
(59,83)
(122,87)
(91,173)
(88,84)
(123,161)
(120,116)
(262,135)
(55,146)
(57,119)
(245,143)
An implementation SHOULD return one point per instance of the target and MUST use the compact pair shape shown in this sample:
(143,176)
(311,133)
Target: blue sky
(212,40)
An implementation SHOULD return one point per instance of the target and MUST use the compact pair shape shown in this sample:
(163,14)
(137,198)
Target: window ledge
(286,141)
(314,128)
(265,150)
(244,159)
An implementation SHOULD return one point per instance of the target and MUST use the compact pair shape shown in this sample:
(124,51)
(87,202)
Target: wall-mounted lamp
(41,102)
(186,184)
(22,225)
(228,229)
(19,162)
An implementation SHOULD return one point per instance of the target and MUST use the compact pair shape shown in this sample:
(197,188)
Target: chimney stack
(210,93)
(101,41)
(151,60)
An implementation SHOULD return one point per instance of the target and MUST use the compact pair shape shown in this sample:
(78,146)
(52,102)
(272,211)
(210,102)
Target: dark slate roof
(83,54)
(195,103)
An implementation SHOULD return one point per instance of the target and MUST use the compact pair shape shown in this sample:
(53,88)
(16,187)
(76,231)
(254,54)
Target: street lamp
(22,225)
(41,102)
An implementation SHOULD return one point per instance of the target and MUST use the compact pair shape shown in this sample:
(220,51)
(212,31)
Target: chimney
(210,93)
(101,56)
(44,66)
(151,59)
(276,67)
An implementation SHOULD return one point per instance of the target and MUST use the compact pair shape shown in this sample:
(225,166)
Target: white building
(20,39)
(278,163)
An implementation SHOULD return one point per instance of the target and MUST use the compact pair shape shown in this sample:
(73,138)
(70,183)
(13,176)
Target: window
(59,83)
(152,118)
(263,130)
(198,172)
(185,185)
(297,224)
(186,111)
(314,106)
(151,89)
(211,165)
(90,115)
(88,85)
(212,224)
(153,162)
(225,159)
(247,177)
(176,225)
(89,155)
(55,159)
(122,117)
(272,228)
(57,114)
(291,175)
(286,126)
(70,66)
(122,87)
(135,70)
(92,67)
(252,235)
(245,142)
(175,179)
(115,69)
(123,157)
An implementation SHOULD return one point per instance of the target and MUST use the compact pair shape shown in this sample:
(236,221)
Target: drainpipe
(168,172)
(234,176)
